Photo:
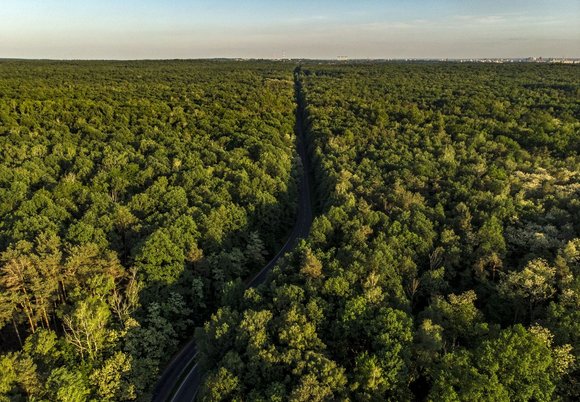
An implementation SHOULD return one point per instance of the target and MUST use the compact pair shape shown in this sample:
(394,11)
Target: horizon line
(338,58)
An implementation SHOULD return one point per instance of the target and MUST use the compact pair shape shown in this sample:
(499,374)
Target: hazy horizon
(418,29)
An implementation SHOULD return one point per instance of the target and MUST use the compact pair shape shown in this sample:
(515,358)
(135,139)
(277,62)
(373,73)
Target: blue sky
(134,29)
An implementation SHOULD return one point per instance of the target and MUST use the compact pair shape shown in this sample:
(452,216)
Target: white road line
(186,378)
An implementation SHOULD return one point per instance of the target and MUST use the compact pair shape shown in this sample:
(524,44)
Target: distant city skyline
(156,29)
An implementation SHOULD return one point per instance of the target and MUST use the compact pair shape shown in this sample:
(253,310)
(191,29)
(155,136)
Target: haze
(156,29)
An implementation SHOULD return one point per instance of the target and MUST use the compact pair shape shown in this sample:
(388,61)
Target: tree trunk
(17,331)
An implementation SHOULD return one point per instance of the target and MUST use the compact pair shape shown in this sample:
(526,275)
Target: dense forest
(444,264)
(134,198)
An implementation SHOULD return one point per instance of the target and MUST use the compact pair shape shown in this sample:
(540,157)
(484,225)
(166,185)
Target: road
(182,378)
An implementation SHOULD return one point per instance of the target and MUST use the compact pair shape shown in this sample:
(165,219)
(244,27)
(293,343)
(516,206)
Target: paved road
(181,379)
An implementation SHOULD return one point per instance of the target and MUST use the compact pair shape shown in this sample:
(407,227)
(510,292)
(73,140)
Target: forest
(445,259)
(443,263)
(134,198)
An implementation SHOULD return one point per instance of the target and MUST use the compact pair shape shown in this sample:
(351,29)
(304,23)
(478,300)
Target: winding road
(182,378)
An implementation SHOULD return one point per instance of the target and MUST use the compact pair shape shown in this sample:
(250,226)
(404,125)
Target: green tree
(530,286)
(87,327)
(112,379)
(491,248)
(160,259)
(65,385)
(461,320)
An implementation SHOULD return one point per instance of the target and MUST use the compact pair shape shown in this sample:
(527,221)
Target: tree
(18,377)
(217,334)
(521,362)
(86,328)
(516,366)
(370,382)
(460,319)
(429,345)
(311,267)
(112,379)
(17,273)
(255,251)
(65,385)
(221,385)
(160,259)
(458,379)
(530,286)
(491,248)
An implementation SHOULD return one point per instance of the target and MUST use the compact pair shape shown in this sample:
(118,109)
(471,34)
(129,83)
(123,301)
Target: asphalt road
(182,378)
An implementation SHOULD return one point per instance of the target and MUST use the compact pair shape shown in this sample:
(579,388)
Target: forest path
(181,379)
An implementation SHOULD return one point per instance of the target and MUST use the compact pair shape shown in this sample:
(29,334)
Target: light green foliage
(13,378)
(111,380)
(430,343)
(521,362)
(86,328)
(563,359)
(516,366)
(65,385)
(161,259)
(220,386)
(530,286)
(44,345)
(491,247)
(534,283)
(458,315)
(459,380)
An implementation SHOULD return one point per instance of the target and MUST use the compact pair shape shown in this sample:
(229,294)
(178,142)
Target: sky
(168,29)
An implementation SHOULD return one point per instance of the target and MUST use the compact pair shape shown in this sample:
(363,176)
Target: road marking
(186,378)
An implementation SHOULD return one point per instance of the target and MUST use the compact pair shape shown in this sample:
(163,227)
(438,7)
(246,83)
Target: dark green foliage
(131,195)
(443,265)
(444,262)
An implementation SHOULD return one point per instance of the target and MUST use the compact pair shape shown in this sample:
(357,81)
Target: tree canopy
(132,195)
(440,264)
